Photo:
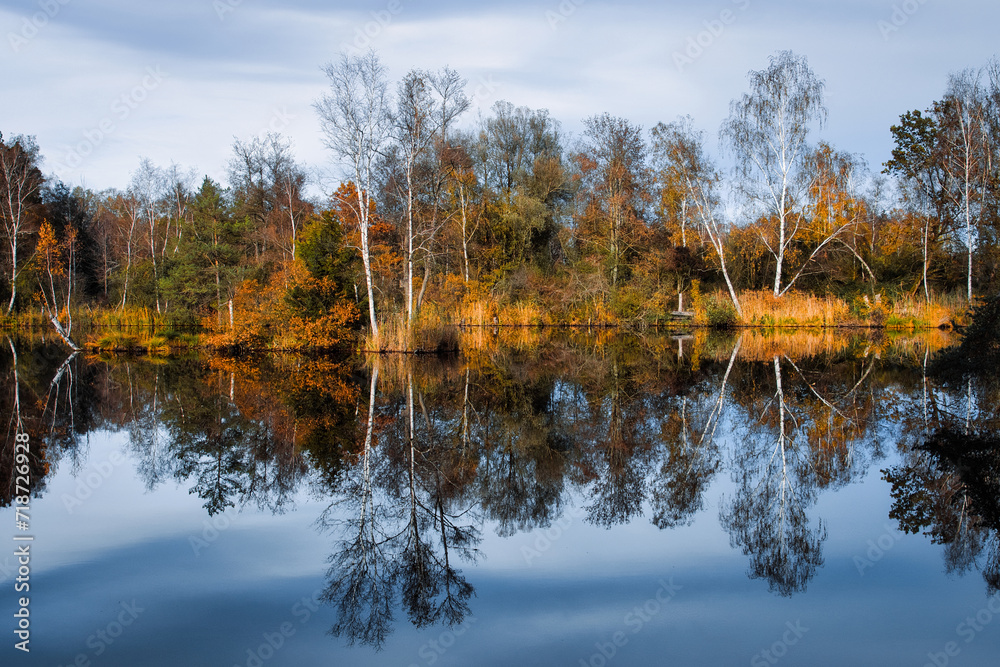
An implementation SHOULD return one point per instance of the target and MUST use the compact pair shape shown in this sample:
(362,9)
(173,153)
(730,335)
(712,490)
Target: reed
(143,341)
(795,309)
(762,309)
(430,332)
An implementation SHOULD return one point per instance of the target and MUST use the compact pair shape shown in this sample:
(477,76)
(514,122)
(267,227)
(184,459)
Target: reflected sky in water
(559,577)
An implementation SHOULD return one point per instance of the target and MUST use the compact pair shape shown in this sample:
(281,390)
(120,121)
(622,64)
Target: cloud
(230,72)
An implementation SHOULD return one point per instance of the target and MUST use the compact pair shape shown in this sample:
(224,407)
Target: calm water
(552,499)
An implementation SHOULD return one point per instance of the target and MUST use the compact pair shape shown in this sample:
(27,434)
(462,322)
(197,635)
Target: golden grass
(795,309)
(802,310)
(429,332)
(148,341)
(943,311)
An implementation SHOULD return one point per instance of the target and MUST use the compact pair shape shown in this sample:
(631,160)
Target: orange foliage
(264,318)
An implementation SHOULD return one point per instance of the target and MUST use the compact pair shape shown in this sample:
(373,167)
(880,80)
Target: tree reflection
(400,527)
(767,517)
(948,484)
(417,457)
(43,399)
(691,455)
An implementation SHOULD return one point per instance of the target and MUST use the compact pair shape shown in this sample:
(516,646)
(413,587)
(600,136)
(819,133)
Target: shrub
(721,316)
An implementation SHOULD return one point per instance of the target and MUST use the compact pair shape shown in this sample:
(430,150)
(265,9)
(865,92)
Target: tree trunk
(409,246)
(13,274)
(927,234)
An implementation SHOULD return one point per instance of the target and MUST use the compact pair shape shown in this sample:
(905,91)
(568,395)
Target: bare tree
(679,155)
(415,128)
(616,149)
(287,180)
(126,209)
(20,182)
(250,189)
(452,102)
(177,197)
(356,124)
(767,132)
(148,186)
(966,162)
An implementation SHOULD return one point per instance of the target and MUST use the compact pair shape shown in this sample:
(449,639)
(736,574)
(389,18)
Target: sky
(101,83)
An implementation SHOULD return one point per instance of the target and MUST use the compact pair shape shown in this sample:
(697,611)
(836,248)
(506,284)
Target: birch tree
(148,186)
(55,271)
(965,141)
(767,132)
(415,126)
(679,156)
(20,185)
(355,119)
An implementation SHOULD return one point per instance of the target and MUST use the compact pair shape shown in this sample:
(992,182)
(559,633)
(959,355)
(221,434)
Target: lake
(545,498)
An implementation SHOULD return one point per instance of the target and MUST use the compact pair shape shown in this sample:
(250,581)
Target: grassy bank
(439,329)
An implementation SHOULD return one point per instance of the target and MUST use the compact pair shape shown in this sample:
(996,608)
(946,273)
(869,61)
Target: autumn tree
(524,184)
(966,153)
(767,133)
(835,214)
(613,164)
(77,209)
(55,273)
(147,186)
(356,123)
(20,186)
(687,174)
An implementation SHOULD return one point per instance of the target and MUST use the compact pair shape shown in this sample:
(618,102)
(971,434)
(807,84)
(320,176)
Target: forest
(439,222)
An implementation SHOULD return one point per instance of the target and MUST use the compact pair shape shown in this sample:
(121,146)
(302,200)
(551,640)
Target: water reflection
(948,486)
(417,457)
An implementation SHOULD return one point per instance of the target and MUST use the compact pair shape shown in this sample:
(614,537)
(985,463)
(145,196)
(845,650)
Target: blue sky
(102,82)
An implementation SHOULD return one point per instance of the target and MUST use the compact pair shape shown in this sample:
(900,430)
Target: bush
(721,316)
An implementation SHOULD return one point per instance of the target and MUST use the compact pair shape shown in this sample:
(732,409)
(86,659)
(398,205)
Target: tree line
(437,215)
